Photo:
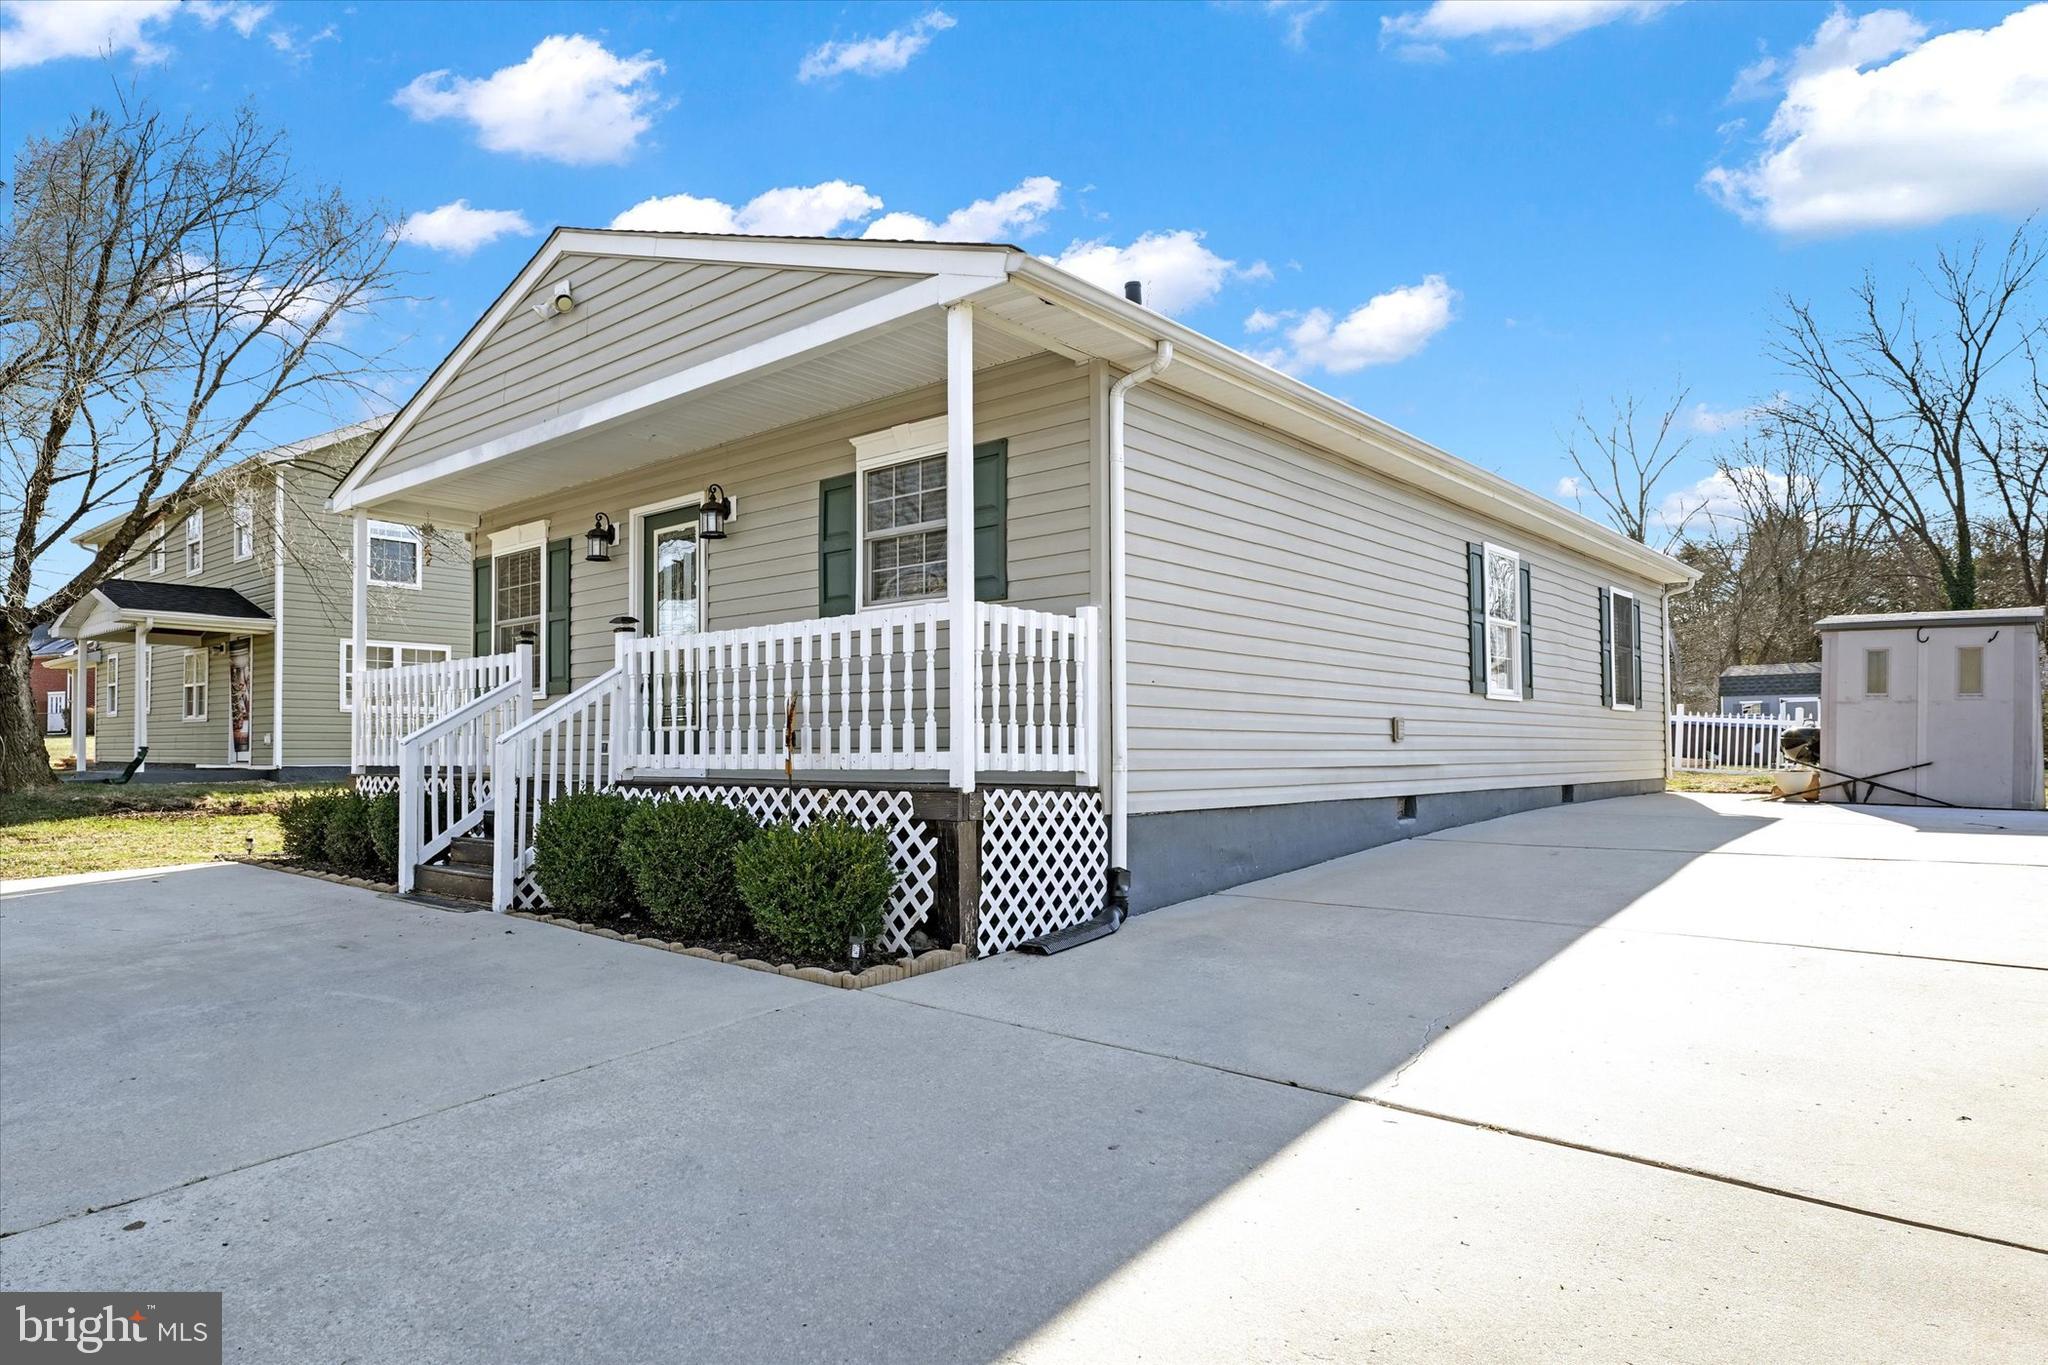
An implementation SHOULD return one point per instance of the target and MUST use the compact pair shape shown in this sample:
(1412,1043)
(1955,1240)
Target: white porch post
(963,657)
(276,628)
(76,684)
(142,687)
(359,571)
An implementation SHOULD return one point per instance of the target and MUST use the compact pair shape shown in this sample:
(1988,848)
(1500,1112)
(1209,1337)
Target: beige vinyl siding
(635,321)
(173,740)
(1267,661)
(319,611)
(766,570)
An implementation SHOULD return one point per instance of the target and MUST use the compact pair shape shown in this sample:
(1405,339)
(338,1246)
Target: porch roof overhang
(116,608)
(893,344)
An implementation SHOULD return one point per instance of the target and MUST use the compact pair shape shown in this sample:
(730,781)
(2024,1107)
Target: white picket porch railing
(567,748)
(1714,743)
(1036,690)
(395,702)
(444,773)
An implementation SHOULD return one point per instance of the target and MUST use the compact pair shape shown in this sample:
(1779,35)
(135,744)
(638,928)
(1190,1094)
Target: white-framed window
(195,543)
(515,602)
(194,685)
(383,654)
(395,558)
(1970,670)
(1504,623)
(110,684)
(1623,647)
(245,529)
(900,513)
(156,555)
(1877,672)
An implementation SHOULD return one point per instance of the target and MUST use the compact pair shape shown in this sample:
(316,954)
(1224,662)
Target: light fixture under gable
(599,539)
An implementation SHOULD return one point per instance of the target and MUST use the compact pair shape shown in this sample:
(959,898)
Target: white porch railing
(1711,743)
(444,773)
(567,748)
(394,702)
(1036,690)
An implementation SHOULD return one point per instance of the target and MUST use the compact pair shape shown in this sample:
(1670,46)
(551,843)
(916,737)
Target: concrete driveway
(1666,1078)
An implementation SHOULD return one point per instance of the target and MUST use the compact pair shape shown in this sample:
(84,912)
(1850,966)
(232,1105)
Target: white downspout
(276,630)
(1119,642)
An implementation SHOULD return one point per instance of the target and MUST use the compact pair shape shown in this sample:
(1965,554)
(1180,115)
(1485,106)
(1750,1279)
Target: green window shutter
(1475,594)
(1637,603)
(837,554)
(561,554)
(992,521)
(1528,639)
(480,605)
(1606,649)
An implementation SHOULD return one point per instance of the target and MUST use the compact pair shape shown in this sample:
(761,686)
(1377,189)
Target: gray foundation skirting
(1178,855)
(189,772)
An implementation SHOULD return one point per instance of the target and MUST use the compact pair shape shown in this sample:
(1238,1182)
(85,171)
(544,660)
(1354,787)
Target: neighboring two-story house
(225,643)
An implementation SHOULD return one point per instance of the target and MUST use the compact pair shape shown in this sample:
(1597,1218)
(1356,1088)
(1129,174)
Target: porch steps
(464,874)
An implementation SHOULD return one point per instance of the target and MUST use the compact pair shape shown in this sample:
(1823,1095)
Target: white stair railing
(444,774)
(567,748)
(1715,743)
(395,702)
(1036,690)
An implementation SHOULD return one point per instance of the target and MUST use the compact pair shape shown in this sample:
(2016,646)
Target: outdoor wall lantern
(714,513)
(600,538)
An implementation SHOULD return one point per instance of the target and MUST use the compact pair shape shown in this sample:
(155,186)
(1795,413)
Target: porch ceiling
(908,355)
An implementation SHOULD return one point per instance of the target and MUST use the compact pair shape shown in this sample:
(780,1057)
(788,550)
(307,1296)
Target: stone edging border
(295,870)
(931,960)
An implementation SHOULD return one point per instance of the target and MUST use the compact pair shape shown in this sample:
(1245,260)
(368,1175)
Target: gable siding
(635,320)
(1266,663)
(767,569)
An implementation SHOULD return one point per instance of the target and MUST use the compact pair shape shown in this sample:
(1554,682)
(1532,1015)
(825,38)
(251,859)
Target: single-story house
(1093,610)
(1770,689)
(224,643)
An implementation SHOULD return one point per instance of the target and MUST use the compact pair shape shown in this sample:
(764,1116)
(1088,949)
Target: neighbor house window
(515,601)
(195,684)
(1622,632)
(195,543)
(110,686)
(1970,671)
(245,529)
(394,555)
(903,530)
(1503,623)
(156,555)
(383,654)
(1877,672)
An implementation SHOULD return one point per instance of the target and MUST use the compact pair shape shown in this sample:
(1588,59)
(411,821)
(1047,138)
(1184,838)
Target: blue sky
(1465,221)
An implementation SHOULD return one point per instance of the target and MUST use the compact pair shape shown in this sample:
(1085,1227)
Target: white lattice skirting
(913,848)
(376,784)
(1044,863)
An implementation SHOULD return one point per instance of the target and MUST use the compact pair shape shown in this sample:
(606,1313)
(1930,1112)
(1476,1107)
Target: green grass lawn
(79,828)
(1721,782)
(58,747)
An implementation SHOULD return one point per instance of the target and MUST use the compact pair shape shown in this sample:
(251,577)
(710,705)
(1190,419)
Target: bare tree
(1912,417)
(162,287)
(2014,447)
(1622,462)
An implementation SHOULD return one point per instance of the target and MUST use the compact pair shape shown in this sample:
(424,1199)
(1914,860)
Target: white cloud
(1712,421)
(1385,328)
(570,101)
(1958,124)
(38,33)
(1015,213)
(459,229)
(1295,16)
(1569,487)
(1507,25)
(874,56)
(1842,40)
(794,211)
(241,15)
(1178,272)
(1259,320)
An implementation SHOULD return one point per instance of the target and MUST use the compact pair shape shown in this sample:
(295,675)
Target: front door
(672,604)
(239,701)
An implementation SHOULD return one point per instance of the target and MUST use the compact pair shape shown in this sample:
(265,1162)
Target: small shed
(1770,689)
(1956,691)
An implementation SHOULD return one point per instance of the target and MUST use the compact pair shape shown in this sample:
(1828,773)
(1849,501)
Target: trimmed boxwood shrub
(383,817)
(814,890)
(303,822)
(679,855)
(349,845)
(578,855)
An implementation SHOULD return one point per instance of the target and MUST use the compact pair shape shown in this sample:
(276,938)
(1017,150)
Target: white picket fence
(1714,743)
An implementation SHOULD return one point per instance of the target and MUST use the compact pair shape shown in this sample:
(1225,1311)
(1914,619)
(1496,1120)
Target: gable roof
(189,599)
(1024,298)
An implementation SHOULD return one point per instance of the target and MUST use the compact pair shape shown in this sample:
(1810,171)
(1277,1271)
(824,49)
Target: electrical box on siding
(1947,702)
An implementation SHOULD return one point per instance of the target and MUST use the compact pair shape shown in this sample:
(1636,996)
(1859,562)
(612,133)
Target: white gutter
(1119,637)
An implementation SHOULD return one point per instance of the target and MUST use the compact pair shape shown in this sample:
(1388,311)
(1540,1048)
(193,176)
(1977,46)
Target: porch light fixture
(599,539)
(714,513)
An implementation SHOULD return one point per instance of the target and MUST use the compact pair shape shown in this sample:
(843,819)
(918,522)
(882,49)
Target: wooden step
(470,852)
(455,880)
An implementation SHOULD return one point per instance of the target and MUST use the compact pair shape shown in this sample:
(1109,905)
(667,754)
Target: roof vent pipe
(1134,290)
